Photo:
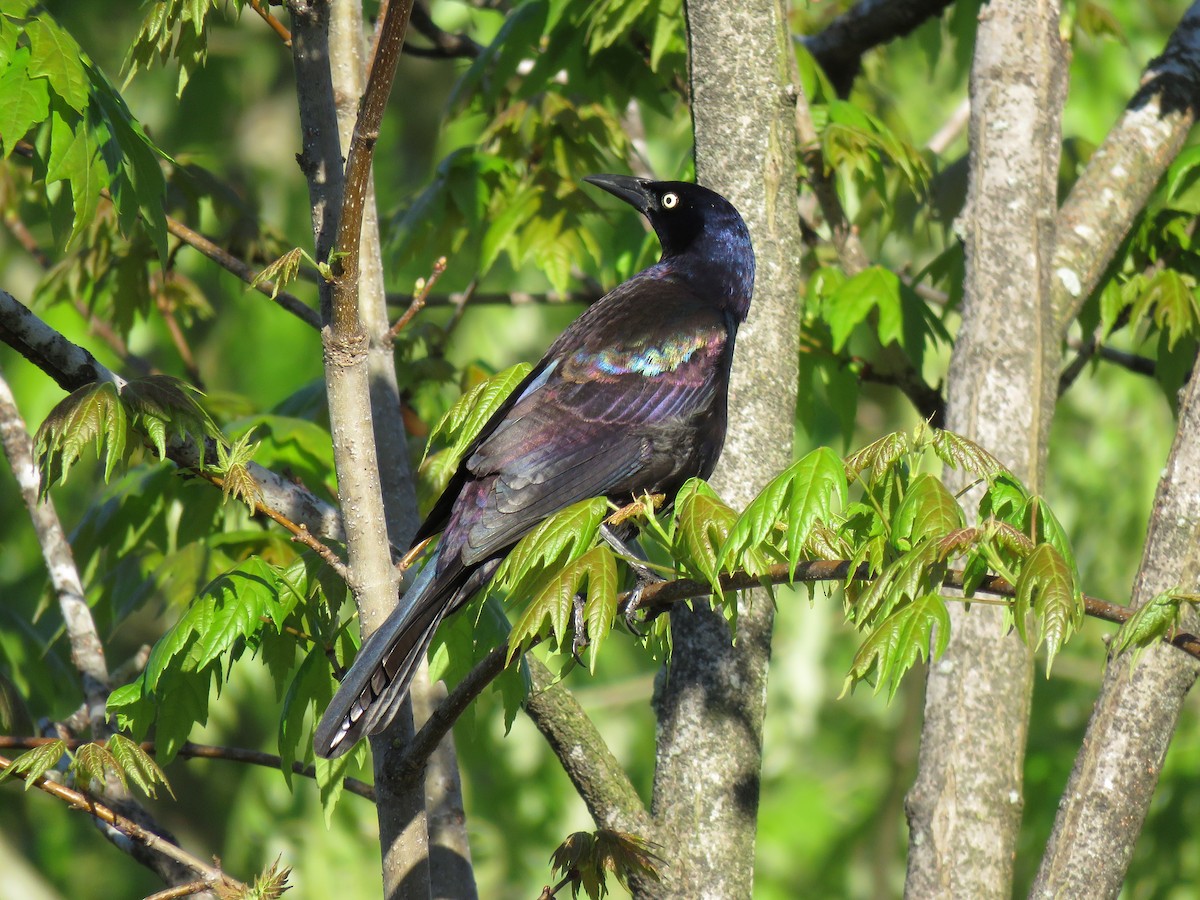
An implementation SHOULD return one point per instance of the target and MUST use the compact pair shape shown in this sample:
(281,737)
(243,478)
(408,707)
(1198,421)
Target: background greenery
(835,770)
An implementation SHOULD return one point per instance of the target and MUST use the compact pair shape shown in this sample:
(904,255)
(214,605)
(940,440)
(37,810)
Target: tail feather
(377,683)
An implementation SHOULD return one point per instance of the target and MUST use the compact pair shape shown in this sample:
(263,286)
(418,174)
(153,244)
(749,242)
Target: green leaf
(91,413)
(281,272)
(310,688)
(163,406)
(704,523)
(962,453)
(76,159)
(1151,622)
(808,491)
(331,778)
(1169,297)
(56,57)
(899,641)
(137,765)
(463,421)
(93,764)
(928,510)
(878,456)
(26,100)
(919,571)
(137,183)
(585,859)
(560,539)
(518,210)
(36,762)
(1046,587)
(595,572)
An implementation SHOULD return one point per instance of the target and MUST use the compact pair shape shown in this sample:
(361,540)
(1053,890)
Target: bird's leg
(580,640)
(645,575)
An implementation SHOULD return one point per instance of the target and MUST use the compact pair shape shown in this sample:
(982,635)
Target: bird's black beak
(634,191)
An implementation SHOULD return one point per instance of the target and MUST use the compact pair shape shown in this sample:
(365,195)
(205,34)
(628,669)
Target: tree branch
(87,650)
(214,877)
(1122,173)
(73,367)
(596,774)
(1117,767)
(445,45)
(840,45)
(200,751)
(230,263)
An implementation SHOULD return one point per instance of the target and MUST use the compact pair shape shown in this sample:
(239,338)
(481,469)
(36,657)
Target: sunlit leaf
(899,641)
(36,762)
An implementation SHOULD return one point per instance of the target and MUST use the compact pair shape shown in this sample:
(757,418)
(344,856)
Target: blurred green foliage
(480,161)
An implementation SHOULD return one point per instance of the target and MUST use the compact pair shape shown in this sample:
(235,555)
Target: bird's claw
(631,610)
(645,576)
(579,640)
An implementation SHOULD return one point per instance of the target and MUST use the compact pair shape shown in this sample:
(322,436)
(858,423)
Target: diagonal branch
(200,751)
(1122,173)
(867,24)
(245,272)
(87,650)
(73,367)
(597,775)
(214,877)
(1138,709)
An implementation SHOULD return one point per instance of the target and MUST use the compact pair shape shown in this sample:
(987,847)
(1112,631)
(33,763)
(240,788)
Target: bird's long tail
(378,681)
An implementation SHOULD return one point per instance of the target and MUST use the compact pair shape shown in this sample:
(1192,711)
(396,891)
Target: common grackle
(631,398)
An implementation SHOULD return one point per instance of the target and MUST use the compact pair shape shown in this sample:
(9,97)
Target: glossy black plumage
(630,398)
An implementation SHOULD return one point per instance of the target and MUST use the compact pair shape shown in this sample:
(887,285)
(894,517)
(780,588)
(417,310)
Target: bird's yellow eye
(670,201)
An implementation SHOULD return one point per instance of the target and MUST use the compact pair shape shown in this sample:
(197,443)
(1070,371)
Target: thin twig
(199,751)
(276,26)
(418,301)
(180,890)
(299,531)
(445,44)
(230,263)
(410,557)
(179,339)
(79,800)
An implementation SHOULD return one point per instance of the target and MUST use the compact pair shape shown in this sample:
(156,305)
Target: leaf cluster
(511,187)
(86,139)
(586,859)
(1150,290)
(157,409)
(118,758)
(907,529)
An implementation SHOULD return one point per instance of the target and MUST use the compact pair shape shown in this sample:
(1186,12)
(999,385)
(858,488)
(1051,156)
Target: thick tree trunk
(711,697)
(964,810)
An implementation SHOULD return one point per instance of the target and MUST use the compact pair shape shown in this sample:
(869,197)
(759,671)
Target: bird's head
(700,231)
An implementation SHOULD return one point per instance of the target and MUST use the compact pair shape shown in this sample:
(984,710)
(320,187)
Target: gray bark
(964,810)
(72,367)
(1117,768)
(1113,189)
(711,697)
(349,384)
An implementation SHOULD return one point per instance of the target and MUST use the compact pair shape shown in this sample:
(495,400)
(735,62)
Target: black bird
(631,398)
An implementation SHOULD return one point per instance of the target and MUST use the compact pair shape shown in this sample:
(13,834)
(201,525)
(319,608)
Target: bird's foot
(645,577)
(631,610)
(580,641)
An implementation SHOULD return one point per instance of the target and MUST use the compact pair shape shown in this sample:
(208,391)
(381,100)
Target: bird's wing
(586,426)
